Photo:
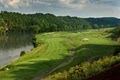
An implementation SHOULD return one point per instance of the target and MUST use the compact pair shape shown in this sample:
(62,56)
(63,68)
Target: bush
(35,29)
(118,40)
(85,70)
(116,34)
(22,53)
(117,51)
(7,67)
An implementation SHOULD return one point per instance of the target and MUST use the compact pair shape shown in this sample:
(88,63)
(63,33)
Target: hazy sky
(81,8)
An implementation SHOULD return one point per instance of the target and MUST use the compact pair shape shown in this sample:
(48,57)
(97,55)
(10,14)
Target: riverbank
(11,45)
(55,48)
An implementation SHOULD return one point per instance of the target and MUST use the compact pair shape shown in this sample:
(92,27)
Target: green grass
(38,60)
(98,45)
(56,48)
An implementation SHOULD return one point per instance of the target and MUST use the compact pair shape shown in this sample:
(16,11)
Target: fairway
(47,55)
(55,48)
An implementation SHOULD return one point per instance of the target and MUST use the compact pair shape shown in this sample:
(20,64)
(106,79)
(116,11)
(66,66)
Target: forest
(13,21)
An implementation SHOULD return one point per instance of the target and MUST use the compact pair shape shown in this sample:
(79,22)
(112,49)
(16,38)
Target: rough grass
(56,48)
(86,70)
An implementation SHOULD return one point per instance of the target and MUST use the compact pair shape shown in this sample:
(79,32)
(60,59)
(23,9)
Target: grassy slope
(86,70)
(97,46)
(55,50)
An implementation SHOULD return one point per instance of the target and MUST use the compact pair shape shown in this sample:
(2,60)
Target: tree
(49,22)
(96,26)
(119,25)
(35,29)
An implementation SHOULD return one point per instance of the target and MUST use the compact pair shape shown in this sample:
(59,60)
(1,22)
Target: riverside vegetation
(54,48)
(85,70)
(16,22)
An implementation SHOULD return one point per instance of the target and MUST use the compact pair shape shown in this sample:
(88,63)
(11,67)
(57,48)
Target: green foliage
(37,43)
(49,22)
(104,22)
(85,70)
(3,27)
(117,51)
(34,42)
(35,28)
(116,32)
(22,53)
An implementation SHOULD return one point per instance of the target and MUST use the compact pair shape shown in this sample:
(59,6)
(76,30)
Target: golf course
(58,51)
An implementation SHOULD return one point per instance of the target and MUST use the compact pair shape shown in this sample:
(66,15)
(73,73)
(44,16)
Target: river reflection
(12,44)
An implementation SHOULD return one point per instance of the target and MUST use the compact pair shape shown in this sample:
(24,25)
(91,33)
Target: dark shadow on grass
(96,49)
(107,49)
(115,33)
(87,51)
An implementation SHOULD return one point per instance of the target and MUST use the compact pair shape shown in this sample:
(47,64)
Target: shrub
(118,40)
(85,70)
(116,34)
(117,51)
(22,53)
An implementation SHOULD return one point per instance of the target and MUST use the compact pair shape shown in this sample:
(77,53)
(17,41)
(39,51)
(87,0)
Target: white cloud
(64,7)
(13,3)
(23,3)
(75,3)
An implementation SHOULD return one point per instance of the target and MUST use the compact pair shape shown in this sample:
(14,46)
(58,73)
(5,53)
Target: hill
(104,22)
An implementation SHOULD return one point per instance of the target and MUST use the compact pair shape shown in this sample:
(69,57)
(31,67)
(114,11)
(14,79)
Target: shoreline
(16,57)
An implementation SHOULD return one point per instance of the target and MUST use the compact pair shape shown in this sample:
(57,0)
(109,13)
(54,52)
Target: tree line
(39,22)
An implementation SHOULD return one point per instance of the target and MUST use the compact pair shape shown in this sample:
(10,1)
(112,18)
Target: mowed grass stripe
(37,61)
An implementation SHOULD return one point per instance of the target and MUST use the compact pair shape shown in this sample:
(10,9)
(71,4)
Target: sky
(80,8)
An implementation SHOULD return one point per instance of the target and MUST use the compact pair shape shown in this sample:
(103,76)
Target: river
(11,46)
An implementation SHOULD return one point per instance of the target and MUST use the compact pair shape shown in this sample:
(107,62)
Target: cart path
(47,72)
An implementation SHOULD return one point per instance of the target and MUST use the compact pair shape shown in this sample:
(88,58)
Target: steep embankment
(110,74)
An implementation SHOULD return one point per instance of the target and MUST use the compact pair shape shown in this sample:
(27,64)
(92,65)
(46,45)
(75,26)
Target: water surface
(12,44)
